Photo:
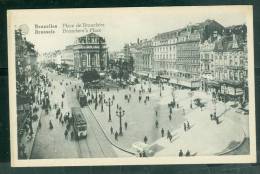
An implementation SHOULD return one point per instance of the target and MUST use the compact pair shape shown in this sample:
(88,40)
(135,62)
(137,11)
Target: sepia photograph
(131,86)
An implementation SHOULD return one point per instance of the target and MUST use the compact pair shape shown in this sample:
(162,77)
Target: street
(140,116)
(48,142)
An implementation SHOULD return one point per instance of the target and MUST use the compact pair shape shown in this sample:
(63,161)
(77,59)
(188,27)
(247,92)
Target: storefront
(231,91)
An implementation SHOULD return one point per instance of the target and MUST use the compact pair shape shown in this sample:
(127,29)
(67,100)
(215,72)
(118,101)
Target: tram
(79,122)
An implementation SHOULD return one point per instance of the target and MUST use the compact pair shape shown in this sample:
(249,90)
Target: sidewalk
(204,138)
(26,140)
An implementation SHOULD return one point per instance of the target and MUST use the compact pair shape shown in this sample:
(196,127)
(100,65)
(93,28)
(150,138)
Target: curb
(237,146)
(120,148)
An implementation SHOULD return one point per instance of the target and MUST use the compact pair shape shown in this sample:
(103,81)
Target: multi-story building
(229,66)
(188,51)
(90,52)
(117,56)
(67,57)
(207,55)
(26,77)
(224,64)
(145,59)
(164,49)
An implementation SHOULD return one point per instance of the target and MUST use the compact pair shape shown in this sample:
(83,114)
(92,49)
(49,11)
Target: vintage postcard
(131,86)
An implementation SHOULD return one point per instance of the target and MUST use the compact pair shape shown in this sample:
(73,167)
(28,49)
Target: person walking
(116,136)
(187,153)
(125,125)
(188,125)
(50,125)
(111,130)
(66,134)
(145,139)
(156,123)
(184,125)
(170,117)
(168,134)
(180,153)
(162,132)
(71,135)
(170,137)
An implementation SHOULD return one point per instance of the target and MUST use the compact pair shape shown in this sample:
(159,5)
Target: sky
(121,25)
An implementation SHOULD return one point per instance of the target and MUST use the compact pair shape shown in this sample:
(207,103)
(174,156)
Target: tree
(131,64)
(114,75)
(90,77)
(126,75)
(64,67)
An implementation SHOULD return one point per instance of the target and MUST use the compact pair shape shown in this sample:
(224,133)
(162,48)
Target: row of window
(165,56)
(229,75)
(165,48)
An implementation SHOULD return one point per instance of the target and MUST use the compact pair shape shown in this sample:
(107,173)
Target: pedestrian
(211,116)
(60,118)
(116,136)
(180,153)
(168,134)
(162,132)
(170,137)
(170,117)
(40,124)
(184,125)
(62,104)
(187,153)
(156,123)
(217,120)
(188,125)
(111,130)
(50,125)
(71,135)
(66,134)
(145,139)
(125,125)
(156,113)
(139,98)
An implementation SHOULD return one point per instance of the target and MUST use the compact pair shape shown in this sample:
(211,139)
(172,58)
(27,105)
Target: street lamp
(160,86)
(191,94)
(214,102)
(173,95)
(120,113)
(101,98)
(109,104)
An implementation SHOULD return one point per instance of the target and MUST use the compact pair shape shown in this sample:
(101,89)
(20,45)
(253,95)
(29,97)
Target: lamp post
(191,94)
(101,98)
(160,86)
(109,104)
(120,113)
(173,95)
(214,102)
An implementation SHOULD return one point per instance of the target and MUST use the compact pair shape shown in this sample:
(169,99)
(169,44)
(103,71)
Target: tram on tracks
(79,122)
(81,97)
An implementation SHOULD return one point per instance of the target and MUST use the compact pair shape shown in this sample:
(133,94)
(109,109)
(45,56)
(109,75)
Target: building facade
(224,61)
(67,57)
(164,46)
(90,52)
